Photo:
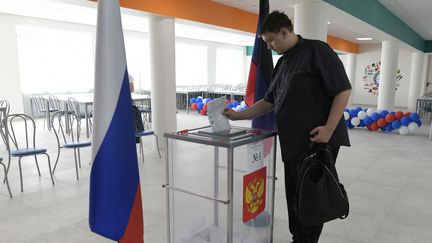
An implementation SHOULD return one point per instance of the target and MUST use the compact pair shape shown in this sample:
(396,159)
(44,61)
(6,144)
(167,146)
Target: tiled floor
(388,178)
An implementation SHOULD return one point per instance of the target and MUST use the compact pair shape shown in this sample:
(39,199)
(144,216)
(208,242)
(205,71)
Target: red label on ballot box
(254,193)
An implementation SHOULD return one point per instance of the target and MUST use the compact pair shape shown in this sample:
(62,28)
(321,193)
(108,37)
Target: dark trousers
(301,233)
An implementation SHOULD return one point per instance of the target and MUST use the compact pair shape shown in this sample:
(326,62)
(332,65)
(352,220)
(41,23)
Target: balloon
(347,123)
(205,107)
(229,106)
(403,130)
(396,124)
(419,123)
(384,113)
(203,112)
(193,100)
(194,106)
(243,104)
(353,113)
(370,111)
(200,105)
(200,97)
(346,115)
(381,122)
(414,117)
(199,100)
(375,116)
(389,118)
(209,100)
(373,126)
(392,112)
(408,114)
(398,115)
(355,121)
(412,126)
(227,101)
(362,115)
(362,124)
(235,103)
(368,121)
(405,121)
(388,128)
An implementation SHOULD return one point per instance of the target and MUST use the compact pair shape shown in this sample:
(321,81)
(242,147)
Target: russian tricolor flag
(115,196)
(260,74)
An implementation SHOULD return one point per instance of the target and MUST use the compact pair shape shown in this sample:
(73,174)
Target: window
(229,65)
(191,64)
(138,60)
(53,60)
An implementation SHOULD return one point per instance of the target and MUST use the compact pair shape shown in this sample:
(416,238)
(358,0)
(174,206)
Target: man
(308,94)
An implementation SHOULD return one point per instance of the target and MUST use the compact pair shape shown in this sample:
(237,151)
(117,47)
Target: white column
(427,73)
(350,70)
(310,20)
(416,80)
(387,81)
(163,85)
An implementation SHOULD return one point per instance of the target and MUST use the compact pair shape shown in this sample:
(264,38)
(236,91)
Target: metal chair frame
(4,104)
(144,134)
(74,106)
(66,121)
(29,149)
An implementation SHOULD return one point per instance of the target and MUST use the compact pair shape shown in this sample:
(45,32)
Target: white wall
(371,53)
(10,88)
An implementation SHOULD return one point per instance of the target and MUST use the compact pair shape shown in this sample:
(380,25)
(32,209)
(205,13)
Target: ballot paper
(218,122)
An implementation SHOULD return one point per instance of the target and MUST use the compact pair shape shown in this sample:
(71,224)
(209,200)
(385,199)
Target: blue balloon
(199,100)
(352,113)
(405,121)
(396,124)
(367,121)
(384,113)
(414,117)
(347,123)
(347,110)
(193,100)
(419,123)
(392,112)
(200,105)
(375,116)
(362,124)
(351,126)
(235,103)
(388,127)
(229,105)
(358,109)
(208,100)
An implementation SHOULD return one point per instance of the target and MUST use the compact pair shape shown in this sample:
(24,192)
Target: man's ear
(285,32)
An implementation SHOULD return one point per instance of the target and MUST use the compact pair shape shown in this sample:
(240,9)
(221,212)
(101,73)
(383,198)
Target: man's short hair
(274,21)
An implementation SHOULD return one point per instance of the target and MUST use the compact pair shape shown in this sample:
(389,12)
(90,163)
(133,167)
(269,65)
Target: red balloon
(227,101)
(381,122)
(194,106)
(205,107)
(203,112)
(408,114)
(390,118)
(399,115)
(373,126)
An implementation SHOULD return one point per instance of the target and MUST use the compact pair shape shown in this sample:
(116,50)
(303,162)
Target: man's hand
(231,114)
(321,134)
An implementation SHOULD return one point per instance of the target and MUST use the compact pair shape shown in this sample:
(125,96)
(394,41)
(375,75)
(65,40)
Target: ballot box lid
(236,136)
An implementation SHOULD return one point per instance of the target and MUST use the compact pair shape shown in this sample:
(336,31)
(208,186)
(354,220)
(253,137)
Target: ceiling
(417,14)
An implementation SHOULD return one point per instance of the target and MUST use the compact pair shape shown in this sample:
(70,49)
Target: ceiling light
(329,22)
(363,38)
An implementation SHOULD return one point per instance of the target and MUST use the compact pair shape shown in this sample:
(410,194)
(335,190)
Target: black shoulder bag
(321,198)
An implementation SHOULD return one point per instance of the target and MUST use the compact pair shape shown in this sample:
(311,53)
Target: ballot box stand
(204,185)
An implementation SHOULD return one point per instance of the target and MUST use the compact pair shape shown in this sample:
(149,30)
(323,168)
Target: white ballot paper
(218,121)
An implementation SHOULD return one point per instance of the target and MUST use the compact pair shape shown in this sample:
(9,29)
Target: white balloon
(370,111)
(412,126)
(346,115)
(205,101)
(362,115)
(243,104)
(355,121)
(199,97)
(403,130)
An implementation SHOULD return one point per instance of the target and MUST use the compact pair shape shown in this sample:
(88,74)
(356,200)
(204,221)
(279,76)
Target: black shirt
(305,80)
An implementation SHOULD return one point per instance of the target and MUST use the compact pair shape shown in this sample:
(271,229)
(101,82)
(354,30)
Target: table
(87,100)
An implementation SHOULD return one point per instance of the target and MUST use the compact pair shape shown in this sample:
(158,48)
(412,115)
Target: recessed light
(363,38)
(329,22)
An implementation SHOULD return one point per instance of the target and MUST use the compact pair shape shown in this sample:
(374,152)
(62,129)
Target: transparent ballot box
(220,186)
